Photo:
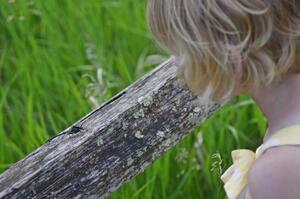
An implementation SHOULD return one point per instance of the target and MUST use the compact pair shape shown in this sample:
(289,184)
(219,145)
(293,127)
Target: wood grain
(114,143)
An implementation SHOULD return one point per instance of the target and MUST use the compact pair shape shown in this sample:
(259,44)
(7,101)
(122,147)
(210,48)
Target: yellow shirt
(235,177)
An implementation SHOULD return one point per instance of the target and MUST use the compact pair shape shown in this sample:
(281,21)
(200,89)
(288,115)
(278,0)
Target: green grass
(50,52)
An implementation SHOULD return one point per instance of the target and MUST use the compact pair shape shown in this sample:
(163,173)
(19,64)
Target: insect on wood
(73,130)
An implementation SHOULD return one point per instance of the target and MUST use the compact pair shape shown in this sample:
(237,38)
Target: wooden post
(112,144)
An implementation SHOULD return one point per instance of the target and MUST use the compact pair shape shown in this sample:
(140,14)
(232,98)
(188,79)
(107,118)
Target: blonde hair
(265,33)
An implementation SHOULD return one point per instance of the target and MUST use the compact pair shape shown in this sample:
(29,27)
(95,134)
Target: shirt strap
(286,136)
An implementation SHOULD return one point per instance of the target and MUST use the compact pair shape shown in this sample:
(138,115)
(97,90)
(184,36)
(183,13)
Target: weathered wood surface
(115,142)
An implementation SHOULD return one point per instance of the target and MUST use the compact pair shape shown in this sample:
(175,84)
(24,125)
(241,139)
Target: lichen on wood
(119,140)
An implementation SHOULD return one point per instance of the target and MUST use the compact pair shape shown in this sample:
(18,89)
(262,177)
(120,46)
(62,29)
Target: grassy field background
(59,59)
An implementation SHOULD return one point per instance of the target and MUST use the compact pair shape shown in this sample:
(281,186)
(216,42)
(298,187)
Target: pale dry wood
(112,144)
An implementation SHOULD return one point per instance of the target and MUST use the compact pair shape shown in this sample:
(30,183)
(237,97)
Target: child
(224,48)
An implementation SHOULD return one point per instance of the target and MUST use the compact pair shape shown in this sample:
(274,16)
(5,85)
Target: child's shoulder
(276,173)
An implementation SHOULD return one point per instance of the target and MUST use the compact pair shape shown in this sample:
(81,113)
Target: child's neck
(280,103)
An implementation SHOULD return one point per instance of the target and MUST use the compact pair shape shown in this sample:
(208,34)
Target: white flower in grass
(10,18)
